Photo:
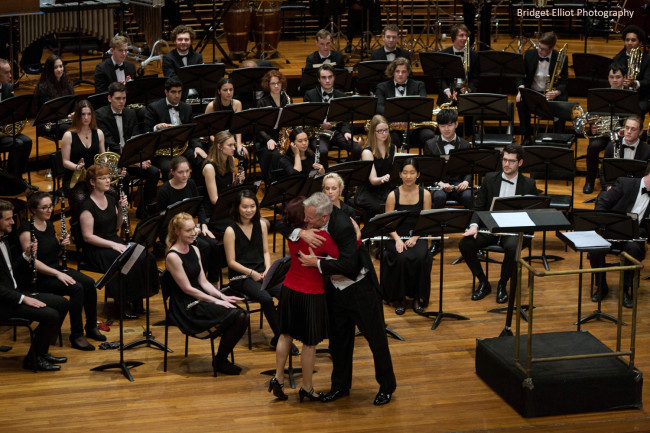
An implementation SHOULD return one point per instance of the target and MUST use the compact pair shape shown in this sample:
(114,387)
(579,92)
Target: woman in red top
(303,309)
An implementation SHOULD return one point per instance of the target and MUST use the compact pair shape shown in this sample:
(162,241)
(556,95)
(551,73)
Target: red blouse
(308,279)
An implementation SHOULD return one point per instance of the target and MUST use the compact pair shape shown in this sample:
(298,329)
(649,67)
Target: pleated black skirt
(303,316)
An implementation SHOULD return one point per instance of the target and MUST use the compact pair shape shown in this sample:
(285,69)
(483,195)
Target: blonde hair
(216,156)
(337,178)
(176,224)
(377,119)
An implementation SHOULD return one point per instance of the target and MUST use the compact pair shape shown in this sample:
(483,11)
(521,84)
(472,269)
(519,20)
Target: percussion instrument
(267,20)
(237,25)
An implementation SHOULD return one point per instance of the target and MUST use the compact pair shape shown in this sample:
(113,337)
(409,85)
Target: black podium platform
(559,387)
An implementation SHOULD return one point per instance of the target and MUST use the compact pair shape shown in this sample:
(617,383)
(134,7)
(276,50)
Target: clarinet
(240,168)
(64,233)
(125,213)
(32,234)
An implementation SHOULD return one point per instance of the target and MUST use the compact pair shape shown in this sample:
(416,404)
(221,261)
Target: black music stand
(408,109)
(137,149)
(442,65)
(146,234)
(609,225)
(441,222)
(173,136)
(613,168)
(615,102)
(53,111)
(250,79)
(189,205)
(354,173)
(351,108)
(145,90)
(371,72)
(431,168)
(480,105)
(226,200)
(591,70)
(303,114)
(210,123)
(279,192)
(478,161)
(254,120)
(15,109)
(121,267)
(203,78)
(309,79)
(497,66)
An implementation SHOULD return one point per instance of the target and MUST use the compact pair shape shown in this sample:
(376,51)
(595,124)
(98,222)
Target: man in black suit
(453,187)
(390,51)
(116,67)
(504,183)
(539,65)
(47,309)
(633,37)
(170,111)
(400,85)
(352,299)
(628,195)
(342,137)
(119,124)
(631,145)
(325,54)
(19,149)
(183,54)
(449,87)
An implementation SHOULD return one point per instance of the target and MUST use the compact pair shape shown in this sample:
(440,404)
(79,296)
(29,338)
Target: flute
(64,233)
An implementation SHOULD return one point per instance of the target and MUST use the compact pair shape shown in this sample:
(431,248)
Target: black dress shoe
(310,395)
(417,307)
(481,291)
(382,398)
(600,293)
(589,187)
(41,364)
(627,298)
(54,359)
(276,387)
(95,334)
(334,394)
(502,293)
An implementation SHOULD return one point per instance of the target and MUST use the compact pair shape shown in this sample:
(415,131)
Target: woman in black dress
(52,278)
(100,221)
(405,272)
(300,160)
(247,254)
(371,196)
(82,141)
(213,309)
(224,101)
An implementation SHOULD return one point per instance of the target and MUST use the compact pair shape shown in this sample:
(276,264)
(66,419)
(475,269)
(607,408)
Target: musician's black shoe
(54,359)
(80,343)
(417,307)
(589,186)
(502,293)
(29,185)
(334,394)
(481,291)
(310,395)
(382,398)
(627,298)
(600,293)
(276,387)
(399,307)
(41,364)
(95,334)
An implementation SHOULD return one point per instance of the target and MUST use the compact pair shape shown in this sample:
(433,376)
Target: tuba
(604,124)
(559,64)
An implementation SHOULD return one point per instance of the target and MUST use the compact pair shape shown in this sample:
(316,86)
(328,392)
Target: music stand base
(439,315)
(389,331)
(123,365)
(545,258)
(597,315)
(522,311)
(150,342)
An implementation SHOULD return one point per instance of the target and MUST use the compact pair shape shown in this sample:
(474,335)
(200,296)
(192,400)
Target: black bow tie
(172,107)
(503,179)
(445,143)
(3,238)
(459,53)
(400,86)
(183,56)
(120,67)
(325,58)
(645,191)
(327,95)
(626,146)
(117,114)
(391,52)
(544,59)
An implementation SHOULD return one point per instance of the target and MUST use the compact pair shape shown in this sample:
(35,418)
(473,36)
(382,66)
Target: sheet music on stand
(586,240)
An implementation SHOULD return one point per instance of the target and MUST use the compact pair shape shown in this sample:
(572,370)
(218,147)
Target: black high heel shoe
(310,395)
(276,387)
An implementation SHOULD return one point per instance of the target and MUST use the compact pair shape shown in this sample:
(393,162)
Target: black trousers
(18,153)
(324,144)
(596,145)
(253,289)
(360,305)
(440,198)
(417,137)
(469,247)
(635,249)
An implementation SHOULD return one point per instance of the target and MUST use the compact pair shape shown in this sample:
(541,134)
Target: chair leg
(214,364)
(166,341)
(250,338)
(186,344)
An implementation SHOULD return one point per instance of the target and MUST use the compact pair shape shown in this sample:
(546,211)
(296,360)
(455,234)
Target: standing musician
(19,302)
(20,150)
(448,89)
(119,124)
(390,51)
(504,183)
(539,65)
(82,141)
(266,142)
(171,111)
(342,134)
(224,101)
(633,37)
(324,54)
(183,54)
(299,159)
(400,85)
(116,67)
(628,195)
(54,279)
(452,187)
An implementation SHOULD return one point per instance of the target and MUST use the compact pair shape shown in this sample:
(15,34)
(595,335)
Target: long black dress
(203,315)
(78,151)
(407,273)
(269,159)
(223,183)
(372,198)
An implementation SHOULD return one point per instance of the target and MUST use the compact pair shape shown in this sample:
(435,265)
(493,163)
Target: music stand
(309,79)
(145,90)
(615,102)
(480,105)
(254,120)
(612,226)
(52,112)
(249,79)
(613,168)
(189,205)
(351,108)
(431,168)
(203,78)
(210,123)
(121,267)
(441,222)
(499,65)
(591,70)
(479,162)
(371,72)
(98,100)
(226,200)
(354,173)
(408,109)
(279,192)
(145,234)
(15,109)
(173,136)
(442,65)
(303,114)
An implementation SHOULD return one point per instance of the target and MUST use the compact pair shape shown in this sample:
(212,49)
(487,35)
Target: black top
(248,252)
(45,93)
(167,195)
(407,226)
(268,101)
(105,220)
(383,167)
(286,163)
(223,183)
(78,151)
(48,244)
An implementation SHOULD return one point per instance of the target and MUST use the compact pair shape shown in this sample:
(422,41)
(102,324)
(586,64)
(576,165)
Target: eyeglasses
(510,161)
(382,131)
(275,84)
(46,207)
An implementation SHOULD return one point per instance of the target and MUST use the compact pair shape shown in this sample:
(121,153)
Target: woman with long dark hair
(299,159)
(224,101)
(54,82)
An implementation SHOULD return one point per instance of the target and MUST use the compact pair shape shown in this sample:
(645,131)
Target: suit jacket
(491,187)
(644,73)
(336,58)
(437,149)
(531,61)
(106,122)
(621,198)
(7,91)
(380,54)
(9,296)
(105,74)
(642,151)
(386,90)
(157,112)
(315,95)
(172,61)
(474,74)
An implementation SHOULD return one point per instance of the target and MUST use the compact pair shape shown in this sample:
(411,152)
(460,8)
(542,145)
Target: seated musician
(404,269)
(400,85)
(504,183)
(20,149)
(54,83)
(390,51)
(183,54)
(266,142)
(371,196)
(633,37)
(616,76)
(341,134)
(179,187)
(119,124)
(452,187)
(631,146)
(628,195)
(324,54)
(81,142)
(298,159)
(171,111)
(224,101)
(116,67)
(20,302)
(448,86)
(539,65)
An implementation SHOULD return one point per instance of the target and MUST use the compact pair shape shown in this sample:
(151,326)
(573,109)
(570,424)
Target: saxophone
(559,64)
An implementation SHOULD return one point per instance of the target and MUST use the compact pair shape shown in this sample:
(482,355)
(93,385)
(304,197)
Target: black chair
(301,9)
(500,139)
(15,322)
(247,301)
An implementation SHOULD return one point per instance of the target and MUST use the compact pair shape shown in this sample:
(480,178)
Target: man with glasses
(505,183)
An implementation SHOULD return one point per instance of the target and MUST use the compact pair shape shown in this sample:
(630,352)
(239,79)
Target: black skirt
(303,316)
